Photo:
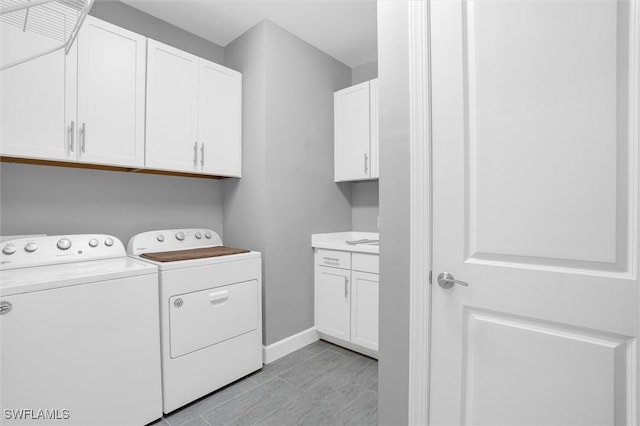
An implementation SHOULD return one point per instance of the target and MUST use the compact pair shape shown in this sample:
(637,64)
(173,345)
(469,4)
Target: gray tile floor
(321,384)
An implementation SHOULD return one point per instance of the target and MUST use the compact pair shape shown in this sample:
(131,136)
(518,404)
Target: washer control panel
(49,250)
(172,239)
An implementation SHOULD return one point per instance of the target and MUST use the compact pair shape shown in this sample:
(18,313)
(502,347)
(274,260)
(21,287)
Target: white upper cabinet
(37,98)
(355,132)
(373,125)
(118,99)
(111,95)
(194,114)
(172,103)
(219,119)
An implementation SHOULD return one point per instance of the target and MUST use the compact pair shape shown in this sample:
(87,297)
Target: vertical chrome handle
(346,287)
(366,163)
(83,133)
(195,154)
(72,136)
(202,155)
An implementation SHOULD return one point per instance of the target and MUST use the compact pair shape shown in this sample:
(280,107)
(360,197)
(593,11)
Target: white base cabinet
(346,299)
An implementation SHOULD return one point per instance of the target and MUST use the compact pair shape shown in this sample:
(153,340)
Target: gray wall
(393,60)
(365,206)
(364,72)
(53,200)
(245,199)
(59,200)
(290,112)
(137,21)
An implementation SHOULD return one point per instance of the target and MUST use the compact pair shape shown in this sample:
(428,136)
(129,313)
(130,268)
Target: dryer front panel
(204,318)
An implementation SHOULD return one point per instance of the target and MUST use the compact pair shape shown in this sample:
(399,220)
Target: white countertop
(338,241)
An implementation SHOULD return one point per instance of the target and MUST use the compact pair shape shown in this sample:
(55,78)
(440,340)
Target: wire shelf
(58,20)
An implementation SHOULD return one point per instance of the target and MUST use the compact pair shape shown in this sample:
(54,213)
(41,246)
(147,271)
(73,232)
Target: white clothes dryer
(210,310)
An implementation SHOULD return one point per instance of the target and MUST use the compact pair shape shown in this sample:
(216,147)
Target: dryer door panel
(207,317)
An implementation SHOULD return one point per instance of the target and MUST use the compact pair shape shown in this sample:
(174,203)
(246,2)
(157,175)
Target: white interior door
(111,94)
(535,205)
(220,119)
(172,105)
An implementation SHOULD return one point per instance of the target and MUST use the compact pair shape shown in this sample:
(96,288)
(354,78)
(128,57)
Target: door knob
(447,281)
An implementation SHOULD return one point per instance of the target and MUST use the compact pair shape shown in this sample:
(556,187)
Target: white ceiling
(344,29)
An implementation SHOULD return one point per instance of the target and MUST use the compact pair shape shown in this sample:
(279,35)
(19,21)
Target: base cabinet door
(111,95)
(333,302)
(364,309)
(172,102)
(219,119)
(37,97)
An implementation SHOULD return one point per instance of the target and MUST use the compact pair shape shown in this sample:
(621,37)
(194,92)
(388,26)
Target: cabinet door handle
(366,163)
(72,136)
(83,134)
(202,155)
(332,259)
(346,287)
(195,154)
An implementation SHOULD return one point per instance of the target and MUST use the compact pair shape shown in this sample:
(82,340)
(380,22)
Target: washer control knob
(93,242)
(64,244)
(180,236)
(208,235)
(198,235)
(30,247)
(10,249)
(108,242)
(160,237)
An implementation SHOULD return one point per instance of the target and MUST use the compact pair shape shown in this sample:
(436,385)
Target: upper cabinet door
(373,122)
(111,94)
(37,98)
(220,119)
(172,78)
(352,156)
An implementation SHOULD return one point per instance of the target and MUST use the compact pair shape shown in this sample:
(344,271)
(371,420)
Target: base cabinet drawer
(333,258)
(365,262)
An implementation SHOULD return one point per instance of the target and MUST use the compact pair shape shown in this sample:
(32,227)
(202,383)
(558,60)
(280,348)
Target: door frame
(419,211)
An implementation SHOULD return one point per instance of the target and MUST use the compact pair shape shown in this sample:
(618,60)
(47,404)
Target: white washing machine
(78,333)
(210,311)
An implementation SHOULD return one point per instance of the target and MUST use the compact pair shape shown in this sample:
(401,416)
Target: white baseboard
(289,344)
